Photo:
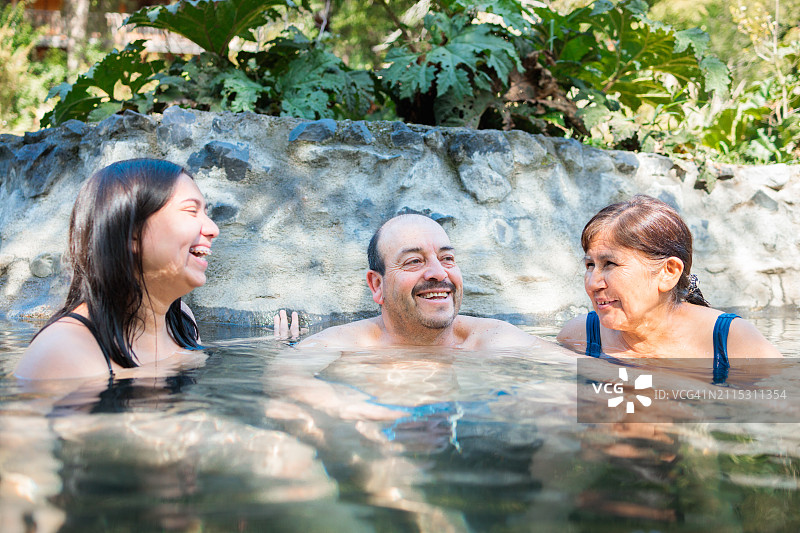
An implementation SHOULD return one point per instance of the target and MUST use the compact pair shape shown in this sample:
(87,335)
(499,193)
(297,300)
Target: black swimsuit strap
(85,321)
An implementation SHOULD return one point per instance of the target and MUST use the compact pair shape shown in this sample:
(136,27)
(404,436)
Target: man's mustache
(434,285)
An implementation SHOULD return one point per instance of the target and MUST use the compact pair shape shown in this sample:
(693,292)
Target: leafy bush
(605,73)
(96,94)
(597,71)
(625,67)
(761,121)
(753,127)
(291,76)
(22,81)
(454,74)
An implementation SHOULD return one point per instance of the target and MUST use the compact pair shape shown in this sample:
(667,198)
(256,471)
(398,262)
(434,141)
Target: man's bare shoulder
(359,334)
(481,333)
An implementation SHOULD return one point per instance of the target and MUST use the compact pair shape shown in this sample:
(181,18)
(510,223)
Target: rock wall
(297,203)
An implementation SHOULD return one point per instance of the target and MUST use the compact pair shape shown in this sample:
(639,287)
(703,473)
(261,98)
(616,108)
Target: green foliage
(313,83)
(759,121)
(606,73)
(754,128)
(195,83)
(733,46)
(291,76)
(211,24)
(625,69)
(94,95)
(592,73)
(23,82)
(457,70)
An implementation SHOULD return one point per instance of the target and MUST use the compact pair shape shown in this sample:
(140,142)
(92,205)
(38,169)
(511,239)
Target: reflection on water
(265,437)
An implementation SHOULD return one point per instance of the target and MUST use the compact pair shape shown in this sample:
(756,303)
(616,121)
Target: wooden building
(104,25)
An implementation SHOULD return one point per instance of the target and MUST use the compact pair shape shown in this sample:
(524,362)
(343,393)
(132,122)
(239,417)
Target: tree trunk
(76,21)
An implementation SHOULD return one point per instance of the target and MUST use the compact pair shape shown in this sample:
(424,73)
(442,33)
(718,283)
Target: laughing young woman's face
(176,242)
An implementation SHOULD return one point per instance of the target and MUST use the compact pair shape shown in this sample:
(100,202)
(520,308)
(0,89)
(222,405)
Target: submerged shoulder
(744,340)
(355,334)
(64,350)
(492,333)
(573,334)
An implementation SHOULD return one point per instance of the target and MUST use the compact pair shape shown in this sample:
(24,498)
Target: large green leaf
(514,13)
(81,98)
(456,111)
(451,77)
(317,84)
(716,75)
(211,24)
(124,67)
(239,92)
(697,38)
(457,60)
(77,104)
(407,74)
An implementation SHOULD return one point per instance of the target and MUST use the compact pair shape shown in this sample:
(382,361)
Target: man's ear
(375,283)
(669,274)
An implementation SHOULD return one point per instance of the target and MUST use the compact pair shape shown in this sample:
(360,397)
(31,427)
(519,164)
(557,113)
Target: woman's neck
(153,341)
(654,333)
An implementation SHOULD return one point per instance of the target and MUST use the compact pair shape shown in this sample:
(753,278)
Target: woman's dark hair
(109,216)
(652,227)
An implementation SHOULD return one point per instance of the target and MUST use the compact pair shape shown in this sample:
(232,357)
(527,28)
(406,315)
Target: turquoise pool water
(262,437)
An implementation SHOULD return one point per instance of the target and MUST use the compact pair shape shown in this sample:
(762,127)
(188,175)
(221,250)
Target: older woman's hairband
(693,288)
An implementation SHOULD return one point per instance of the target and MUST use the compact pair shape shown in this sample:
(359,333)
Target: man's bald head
(375,256)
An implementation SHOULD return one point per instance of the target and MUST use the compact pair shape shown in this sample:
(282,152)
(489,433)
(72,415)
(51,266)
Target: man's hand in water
(284,329)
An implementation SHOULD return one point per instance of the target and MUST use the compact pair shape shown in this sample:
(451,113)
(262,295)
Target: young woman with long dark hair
(138,238)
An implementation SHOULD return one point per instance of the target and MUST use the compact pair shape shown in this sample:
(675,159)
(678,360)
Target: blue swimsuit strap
(594,345)
(721,364)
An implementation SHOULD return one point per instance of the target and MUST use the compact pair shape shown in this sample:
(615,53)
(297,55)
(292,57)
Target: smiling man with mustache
(414,277)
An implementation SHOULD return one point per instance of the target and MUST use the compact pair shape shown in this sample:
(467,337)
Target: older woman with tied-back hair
(139,236)
(646,301)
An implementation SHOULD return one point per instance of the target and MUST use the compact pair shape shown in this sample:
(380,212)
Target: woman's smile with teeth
(200,251)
